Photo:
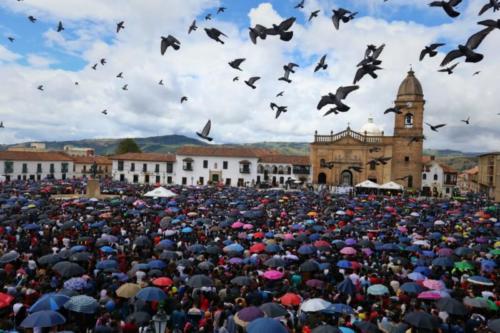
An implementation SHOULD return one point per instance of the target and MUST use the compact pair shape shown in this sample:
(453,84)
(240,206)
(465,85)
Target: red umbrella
(290,299)
(258,248)
(5,300)
(258,235)
(163,282)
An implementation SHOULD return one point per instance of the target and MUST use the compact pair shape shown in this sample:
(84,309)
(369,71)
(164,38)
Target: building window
(224,165)
(120,165)
(19,177)
(39,168)
(84,168)
(407,158)
(170,167)
(408,120)
(32,177)
(205,164)
(136,179)
(64,167)
(282,180)
(424,176)
(245,167)
(25,167)
(289,170)
(144,167)
(228,181)
(146,179)
(184,180)
(410,181)
(157,168)
(132,167)
(122,177)
(240,182)
(435,176)
(169,180)
(63,176)
(275,169)
(52,168)
(38,177)
(447,190)
(258,180)
(8,167)
(201,180)
(187,164)
(373,165)
(260,168)
(158,180)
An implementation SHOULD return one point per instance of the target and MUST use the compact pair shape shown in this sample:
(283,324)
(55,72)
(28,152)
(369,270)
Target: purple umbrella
(235,261)
(246,315)
(76,283)
(350,241)
(315,283)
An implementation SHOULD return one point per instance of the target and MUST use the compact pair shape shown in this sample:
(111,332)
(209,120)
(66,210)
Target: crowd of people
(226,259)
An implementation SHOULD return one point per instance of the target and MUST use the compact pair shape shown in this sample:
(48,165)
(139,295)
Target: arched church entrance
(346,178)
(322,178)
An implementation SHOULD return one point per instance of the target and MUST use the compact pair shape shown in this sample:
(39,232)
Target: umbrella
(344,264)
(346,287)
(432,295)
(82,304)
(434,284)
(9,257)
(452,306)
(315,305)
(290,299)
(306,249)
(151,294)
(44,318)
(265,325)
(5,300)
(315,283)
(481,280)
(326,329)
(494,325)
(309,266)
(476,302)
(273,275)
(463,266)
(411,288)
(340,308)
(163,282)
(49,302)
(416,276)
(77,283)
(377,290)
(107,264)
(235,247)
(348,251)
(275,262)
(49,259)
(127,290)
(68,269)
(273,310)
(200,280)
(423,320)
(156,264)
(443,262)
(141,318)
(366,327)
(241,281)
(248,314)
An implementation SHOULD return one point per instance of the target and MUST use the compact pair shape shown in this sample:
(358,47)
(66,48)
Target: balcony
(245,171)
(187,168)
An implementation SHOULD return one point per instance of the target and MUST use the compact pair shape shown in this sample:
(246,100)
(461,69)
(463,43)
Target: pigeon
(94,67)
(236,63)
(288,69)
(169,41)
(334,110)
(1,124)
(40,87)
(476,73)
(343,15)
(371,55)
(76,83)
(495,4)
(300,4)
(435,127)
(236,78)
(221,10)
(374,149)
(160,83)
(395,109)
(490,23)
(313,14)
(280,94)
(447,6)
(430,50)
(380,160)
(279,109)
(208,17)
(321,64)
(328,165)
(416,139)
(120,75)
(358,169)
(449,69)
(259,31)
(60,27)
(183,99)
(366,69)
(282,29)
(205,132)
(119,26)
(103,61)
(125,87)
(192,27)
(337,98)
(467,121)
(467,50)
(32,19)
(404,178)
(251,81)
(11,39)
(215,34)
(105,112)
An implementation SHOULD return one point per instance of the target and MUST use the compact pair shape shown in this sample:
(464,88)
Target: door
(322,178)
(215,178)
(346,178)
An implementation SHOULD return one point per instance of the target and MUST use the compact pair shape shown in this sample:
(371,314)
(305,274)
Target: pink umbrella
(348,251)
(288,236)
(237,225)
(367,251)
(433,295)
(445,252)
(433,284)
(247,226)
(273,275)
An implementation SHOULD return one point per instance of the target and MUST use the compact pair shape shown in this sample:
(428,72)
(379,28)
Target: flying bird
(236,63)
(120,75)
(430,50)
(366,69)
(251,81)
(94,67)
(435,127)
(76,83)
(337,98)
(467,50)
(125,87)
(490,23)
(259,31)
(221,10)
(448,6)
(32,19)
(300,4)
(40,87)
(280,94)
(396,109)
(236,78)
(60,27)
(192,27)
(404,178)
(119,26)
(160,83)
(374,149)
(169,41)
(282,29)
(105,112)
(288,70)
(358,169)
(449,69)
(321,64)
(103,61)
(416,139)
(495,4)
(343,15)
(183,99)
(476,73)
(1,124)
(467,121)
(328,165)
(372,53)
(208,17)
(279,109)
(215,34)
(313,14)
(11,39)
(205,132)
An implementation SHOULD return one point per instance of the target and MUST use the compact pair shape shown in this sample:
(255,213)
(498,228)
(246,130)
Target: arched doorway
(346,178)
(322,178)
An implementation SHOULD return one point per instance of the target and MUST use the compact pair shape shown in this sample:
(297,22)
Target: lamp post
(160,320)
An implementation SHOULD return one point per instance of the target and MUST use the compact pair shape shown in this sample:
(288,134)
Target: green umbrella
(463,266)
(495,252)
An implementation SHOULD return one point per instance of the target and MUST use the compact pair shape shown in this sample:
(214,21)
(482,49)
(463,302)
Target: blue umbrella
(156,264)
(187,230)
(306,249)
(346,287)
(340,308)
(488,265)
(423,270)
(82,304)
(197,248)
(344,264)
(443,262)
(31,226)
(44,318)
(377,290)
(234,248)
(151,294)
(265,325)
(78,248)
(107,249)
(76,283)
(481,280)
(49,302)
(272,248)
(107,264)
(416,276)
(411,288)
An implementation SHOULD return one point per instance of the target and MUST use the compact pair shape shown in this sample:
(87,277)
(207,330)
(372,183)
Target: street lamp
(160,320)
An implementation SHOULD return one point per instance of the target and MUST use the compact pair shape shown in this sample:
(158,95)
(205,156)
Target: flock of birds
(367,66)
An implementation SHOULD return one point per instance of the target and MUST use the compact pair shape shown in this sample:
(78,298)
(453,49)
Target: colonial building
(468,180)
(78,151)
(83,164)
(144,168)
(438,179)
(278,169)
(350,157)
(30,165)
(489,175)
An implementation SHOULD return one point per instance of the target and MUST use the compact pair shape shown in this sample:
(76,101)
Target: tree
(127,146)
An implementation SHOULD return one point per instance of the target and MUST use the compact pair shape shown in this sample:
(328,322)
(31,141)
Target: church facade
(350,157)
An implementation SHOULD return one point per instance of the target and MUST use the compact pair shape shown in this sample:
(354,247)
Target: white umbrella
(315,305)
(160,192)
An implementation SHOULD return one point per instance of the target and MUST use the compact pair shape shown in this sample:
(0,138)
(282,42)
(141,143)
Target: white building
(438,179)
(78,151)
(82,166)
(29,165)
(277,169)
(144,168)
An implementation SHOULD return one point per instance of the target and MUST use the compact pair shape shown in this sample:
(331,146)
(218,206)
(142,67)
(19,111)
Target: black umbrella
(494,325)
(141,318)
(275,262)
(9,257)
(273,310)
(326,329)
(422,320)
(142,241)
(80,257)
(68,269)
(49,259)
(206,266)
(367,327)
(212,249)
(309,266)
(452,306)
(200,280)
(168,255)
(241,281)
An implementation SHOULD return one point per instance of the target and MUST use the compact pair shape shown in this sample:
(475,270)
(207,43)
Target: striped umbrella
(82,304)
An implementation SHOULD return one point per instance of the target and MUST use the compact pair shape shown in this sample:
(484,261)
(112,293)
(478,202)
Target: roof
(286,159)
(447,168)
(472,171)
(91,159)
(410,86)
(34,156)
(144,157)
(494,153)
(223,151)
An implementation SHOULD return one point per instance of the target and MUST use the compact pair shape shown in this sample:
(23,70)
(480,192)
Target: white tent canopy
(160,192)
(368,184)
(391,186)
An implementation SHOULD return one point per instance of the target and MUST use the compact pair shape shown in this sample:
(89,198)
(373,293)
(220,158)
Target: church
(350,157)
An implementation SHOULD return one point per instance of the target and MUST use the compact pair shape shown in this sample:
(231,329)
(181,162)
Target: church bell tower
(408,134)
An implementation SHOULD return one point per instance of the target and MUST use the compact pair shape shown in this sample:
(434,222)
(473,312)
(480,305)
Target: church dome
(370,128)
(410,86)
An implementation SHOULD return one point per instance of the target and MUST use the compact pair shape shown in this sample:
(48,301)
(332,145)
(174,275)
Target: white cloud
(8,56)
(39,61)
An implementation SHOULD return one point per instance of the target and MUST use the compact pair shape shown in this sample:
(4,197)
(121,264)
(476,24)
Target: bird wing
(488,23)
(286,24)
(436,45)
(436,4)
(422,54)
(476,39)
(359,74)
(322,60)
(164,45)
(453,67)
(484,9)
(292,65)
(439,126)
(325,100)
(254,79)
(206,129)
(173,39)
(273,105)
(336,21)
(253,35)
(342,92)
(378,51)
(452,55)
(454,3)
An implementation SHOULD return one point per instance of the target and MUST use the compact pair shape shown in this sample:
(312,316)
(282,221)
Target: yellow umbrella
(497,244)
(128,290)
(312,214)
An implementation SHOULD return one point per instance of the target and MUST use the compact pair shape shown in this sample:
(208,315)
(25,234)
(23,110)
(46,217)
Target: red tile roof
(34,156)
(286,159)
(447,168)
(144,157)
(91,159)
(223,151)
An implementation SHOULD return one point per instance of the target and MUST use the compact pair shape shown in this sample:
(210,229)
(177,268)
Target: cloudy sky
(41,56)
